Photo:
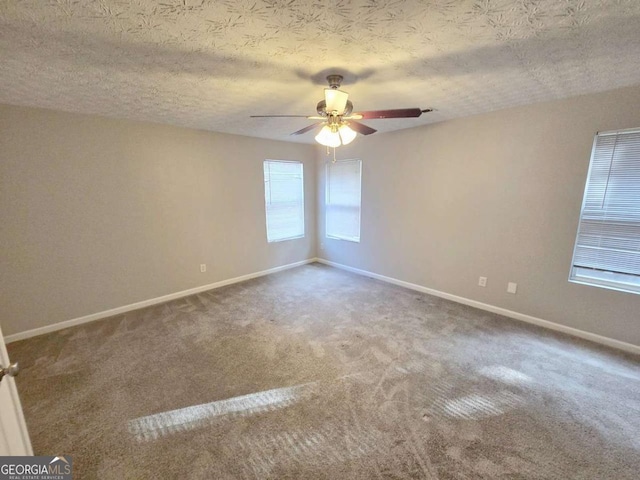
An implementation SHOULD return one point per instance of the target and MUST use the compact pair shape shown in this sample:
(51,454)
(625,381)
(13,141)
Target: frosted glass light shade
(328,138)
(346,134)
(336,100)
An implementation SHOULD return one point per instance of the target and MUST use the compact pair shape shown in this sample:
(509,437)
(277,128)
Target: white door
(14,438)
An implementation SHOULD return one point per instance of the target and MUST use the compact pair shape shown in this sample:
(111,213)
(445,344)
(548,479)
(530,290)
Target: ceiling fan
(339,123)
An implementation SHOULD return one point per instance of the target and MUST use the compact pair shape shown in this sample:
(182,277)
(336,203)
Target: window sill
(346,239)
(285,239)
(621,283)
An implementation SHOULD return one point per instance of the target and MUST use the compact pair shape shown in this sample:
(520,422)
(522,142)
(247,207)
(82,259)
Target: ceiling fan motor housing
(321,108)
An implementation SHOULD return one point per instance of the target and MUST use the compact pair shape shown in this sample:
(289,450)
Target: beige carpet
(315,373)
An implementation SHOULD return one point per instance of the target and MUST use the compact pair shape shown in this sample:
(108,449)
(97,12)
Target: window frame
(326,201)
(302,198)
(594,277)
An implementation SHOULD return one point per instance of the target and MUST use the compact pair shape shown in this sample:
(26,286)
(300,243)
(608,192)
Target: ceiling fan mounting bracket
(334,81)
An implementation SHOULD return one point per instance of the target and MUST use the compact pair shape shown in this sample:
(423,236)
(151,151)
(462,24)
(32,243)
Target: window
(284,200)
(343,200)
(607,251)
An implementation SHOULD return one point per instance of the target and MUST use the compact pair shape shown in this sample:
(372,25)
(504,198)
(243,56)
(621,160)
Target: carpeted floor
(315,373)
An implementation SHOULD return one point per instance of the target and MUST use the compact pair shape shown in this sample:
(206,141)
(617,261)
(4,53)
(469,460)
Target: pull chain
(334,154)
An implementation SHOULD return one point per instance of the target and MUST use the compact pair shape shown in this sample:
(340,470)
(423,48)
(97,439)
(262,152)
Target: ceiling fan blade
(336,100)
(307,128)
(397,113)
(279,116)
(361,128)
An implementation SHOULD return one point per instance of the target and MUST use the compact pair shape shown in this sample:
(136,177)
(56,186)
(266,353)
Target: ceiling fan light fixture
(346,134)
(328,137)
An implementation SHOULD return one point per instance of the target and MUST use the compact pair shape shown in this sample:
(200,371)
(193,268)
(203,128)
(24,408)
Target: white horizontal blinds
(284,199)
(609,232)
(343,200)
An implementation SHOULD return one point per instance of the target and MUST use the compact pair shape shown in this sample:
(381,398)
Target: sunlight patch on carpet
(476,406)
(152,427)
(506,375)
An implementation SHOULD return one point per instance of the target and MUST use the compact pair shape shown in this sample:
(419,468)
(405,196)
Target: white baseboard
(147,303)
(627,347)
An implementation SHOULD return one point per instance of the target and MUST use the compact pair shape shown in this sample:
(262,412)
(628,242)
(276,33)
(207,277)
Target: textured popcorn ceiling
(211,64)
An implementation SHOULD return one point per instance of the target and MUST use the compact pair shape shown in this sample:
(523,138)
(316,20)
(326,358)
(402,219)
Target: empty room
(265,239)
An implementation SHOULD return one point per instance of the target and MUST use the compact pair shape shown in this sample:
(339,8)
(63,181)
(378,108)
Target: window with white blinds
(284,199)
(607,251)
(342,205)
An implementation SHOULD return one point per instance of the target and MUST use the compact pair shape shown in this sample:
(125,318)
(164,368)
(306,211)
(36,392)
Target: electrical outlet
(482,281)
(512,287)
(203,267)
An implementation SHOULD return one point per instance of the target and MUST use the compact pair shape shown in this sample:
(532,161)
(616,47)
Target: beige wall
(98,213)
(495,195)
